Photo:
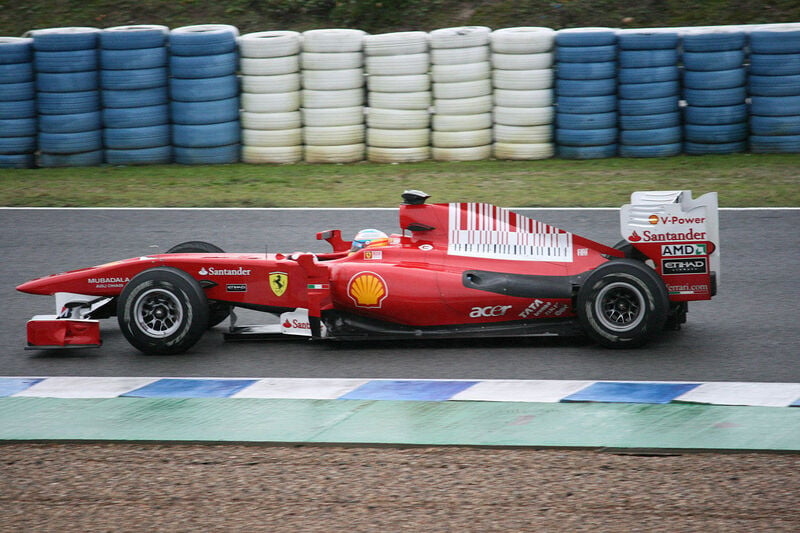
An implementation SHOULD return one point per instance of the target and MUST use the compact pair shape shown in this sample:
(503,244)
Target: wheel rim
(620,307)
(158,313)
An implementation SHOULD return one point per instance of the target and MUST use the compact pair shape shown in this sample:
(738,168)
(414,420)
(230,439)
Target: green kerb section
(587,425)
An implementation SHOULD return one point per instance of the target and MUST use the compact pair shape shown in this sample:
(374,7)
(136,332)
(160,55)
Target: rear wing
(680,235)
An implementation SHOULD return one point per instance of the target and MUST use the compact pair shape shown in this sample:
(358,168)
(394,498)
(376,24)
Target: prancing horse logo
(278,281)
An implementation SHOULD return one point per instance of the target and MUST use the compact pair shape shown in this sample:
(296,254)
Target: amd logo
(683,250)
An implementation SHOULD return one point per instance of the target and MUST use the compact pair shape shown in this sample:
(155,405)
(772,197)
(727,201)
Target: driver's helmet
(369,237)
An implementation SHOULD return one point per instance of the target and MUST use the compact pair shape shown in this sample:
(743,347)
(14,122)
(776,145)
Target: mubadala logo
(211,271)
(108,280)
(683,250)
(490,311)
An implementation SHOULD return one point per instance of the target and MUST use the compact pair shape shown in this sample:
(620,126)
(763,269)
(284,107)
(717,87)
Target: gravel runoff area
(82,487)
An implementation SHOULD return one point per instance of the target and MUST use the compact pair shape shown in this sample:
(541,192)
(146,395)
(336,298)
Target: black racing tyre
(622,304)
(162,311)
(217,311)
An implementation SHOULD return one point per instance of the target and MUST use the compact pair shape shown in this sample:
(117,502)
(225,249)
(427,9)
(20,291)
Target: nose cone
(35,286)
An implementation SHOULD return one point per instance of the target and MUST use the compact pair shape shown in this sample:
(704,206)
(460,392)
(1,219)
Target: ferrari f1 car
(456,270)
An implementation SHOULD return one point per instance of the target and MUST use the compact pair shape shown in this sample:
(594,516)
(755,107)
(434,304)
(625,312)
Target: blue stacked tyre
(134,80)
(649,94)
(204,94)
(68,97)
(774,87)
(715,116)
(17,103)
(586,93)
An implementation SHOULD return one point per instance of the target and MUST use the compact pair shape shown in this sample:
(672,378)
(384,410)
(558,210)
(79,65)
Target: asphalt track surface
(749,332)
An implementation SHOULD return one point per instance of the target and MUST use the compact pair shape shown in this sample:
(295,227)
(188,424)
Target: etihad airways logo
(211,271)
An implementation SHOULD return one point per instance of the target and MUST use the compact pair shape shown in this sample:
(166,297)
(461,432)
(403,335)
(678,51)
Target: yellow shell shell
(367,289)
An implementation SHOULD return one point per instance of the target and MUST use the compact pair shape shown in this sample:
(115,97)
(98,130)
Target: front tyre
(622,304)
(162,311)
(217,311)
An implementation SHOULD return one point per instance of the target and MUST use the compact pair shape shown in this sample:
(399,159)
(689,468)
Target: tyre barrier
(68,96)
(332,78)
(715,90)
(649,93)
(522,60)
(132,59)
(398,120)
(774,89)
(462,93)
(270,107)
(395,97)
(18,127)
(203,63)
(587,86)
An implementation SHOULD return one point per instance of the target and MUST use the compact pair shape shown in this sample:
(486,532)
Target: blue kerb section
(191,388)
(9,386)
(604,391)
(423,391)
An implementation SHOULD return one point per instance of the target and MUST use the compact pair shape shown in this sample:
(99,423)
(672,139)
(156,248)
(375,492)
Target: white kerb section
(485,230)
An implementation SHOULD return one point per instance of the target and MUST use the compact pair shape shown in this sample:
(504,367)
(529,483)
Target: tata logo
(683,250)
(489,311)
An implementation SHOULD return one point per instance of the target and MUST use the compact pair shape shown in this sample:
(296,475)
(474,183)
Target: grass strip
(742,180)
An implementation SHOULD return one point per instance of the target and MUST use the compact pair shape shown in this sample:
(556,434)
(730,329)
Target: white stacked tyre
(134,79)
(522,76)
(586,93)
(774,87)
(462,94)
(204,92)
(332,77)
(17,103)
(714,74)
(270,80)
(649,93)
(68,97)
(399,97)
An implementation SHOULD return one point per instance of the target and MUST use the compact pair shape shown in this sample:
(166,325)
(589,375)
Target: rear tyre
(217,311)
(162,311)
(622,304)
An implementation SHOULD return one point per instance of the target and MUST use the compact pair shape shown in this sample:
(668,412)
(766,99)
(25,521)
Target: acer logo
(489,311)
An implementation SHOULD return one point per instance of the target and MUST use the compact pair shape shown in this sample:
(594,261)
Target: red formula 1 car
(457,270)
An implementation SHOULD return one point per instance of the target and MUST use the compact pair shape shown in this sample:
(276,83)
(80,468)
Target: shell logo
(653,219)
(367,289)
